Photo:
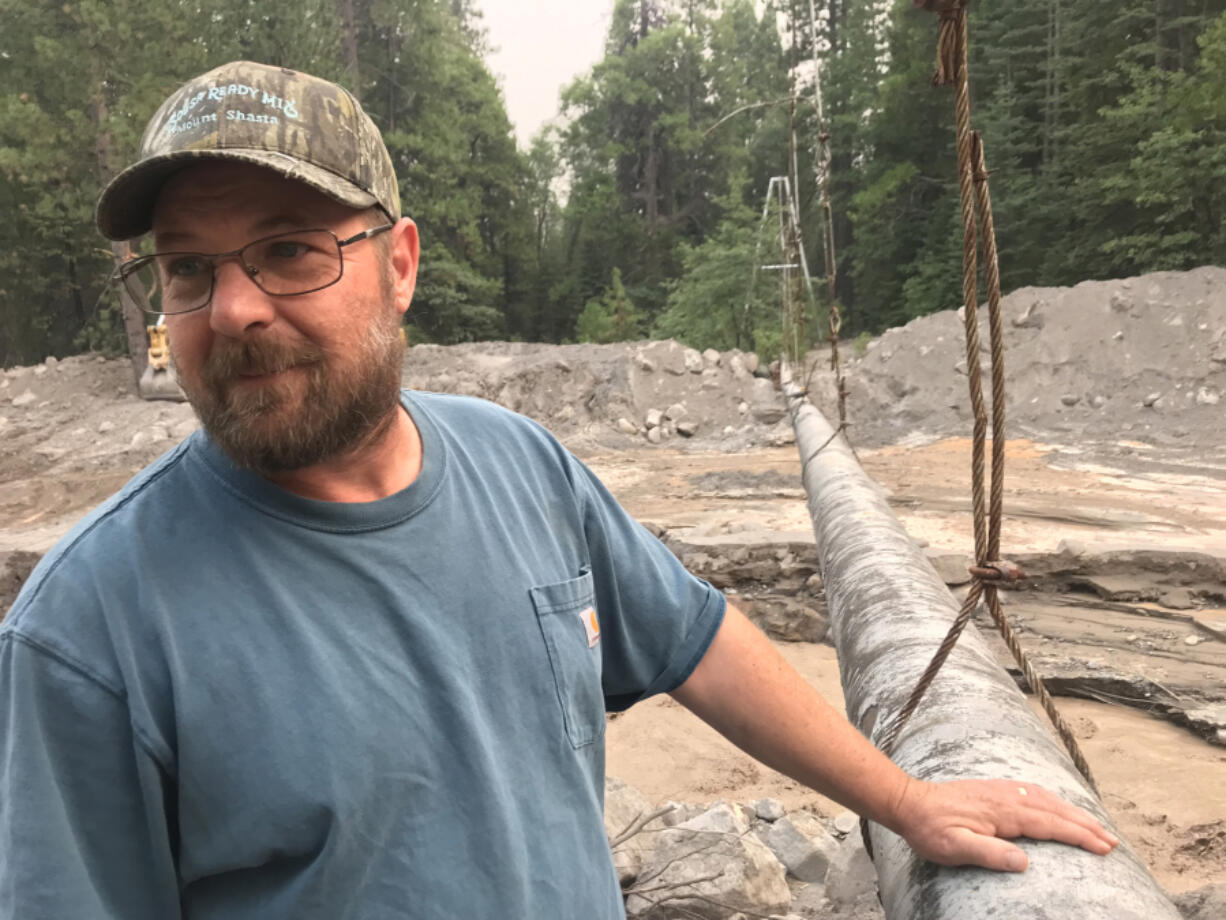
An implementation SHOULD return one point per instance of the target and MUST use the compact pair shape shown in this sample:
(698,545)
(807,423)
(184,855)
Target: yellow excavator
(159,380)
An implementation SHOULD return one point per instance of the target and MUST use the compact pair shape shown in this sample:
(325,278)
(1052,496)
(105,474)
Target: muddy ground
(1115,503)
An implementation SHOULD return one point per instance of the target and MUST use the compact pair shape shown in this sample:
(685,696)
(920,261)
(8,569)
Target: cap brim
(125,208)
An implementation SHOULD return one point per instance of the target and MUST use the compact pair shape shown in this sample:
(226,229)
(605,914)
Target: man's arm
(742,676)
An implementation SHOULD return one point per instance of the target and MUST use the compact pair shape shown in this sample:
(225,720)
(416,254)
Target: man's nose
(239,305)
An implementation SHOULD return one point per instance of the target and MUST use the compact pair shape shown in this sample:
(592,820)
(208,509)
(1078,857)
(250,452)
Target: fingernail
(1112,839)
(1015,861)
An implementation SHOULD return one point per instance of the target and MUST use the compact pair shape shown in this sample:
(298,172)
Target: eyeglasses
(283,265)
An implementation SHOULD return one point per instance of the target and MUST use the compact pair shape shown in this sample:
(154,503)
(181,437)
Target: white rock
(768,809)
(654,435)
(751,361)
(851,874)
(653,419)
(711,357)
(693,361)
(736,364)
(687,429)
(846,822)
(51,361)
(625,426)
(729,431)
(1207,396)
(1070,399)
(105,426)
(742,407)
(746,875)
(140,439)
(1193,640)
(1098,401)
(674,412)
(645,364)
(623,805)
(40,370)
(5,383)
(1151,399)
(23,399)
(805,858)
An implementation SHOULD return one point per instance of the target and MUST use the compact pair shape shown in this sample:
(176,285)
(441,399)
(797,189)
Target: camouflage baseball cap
(300,126)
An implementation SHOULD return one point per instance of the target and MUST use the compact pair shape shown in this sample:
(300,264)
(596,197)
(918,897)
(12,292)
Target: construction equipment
(159,380)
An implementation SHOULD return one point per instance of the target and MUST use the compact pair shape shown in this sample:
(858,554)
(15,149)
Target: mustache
(228,360)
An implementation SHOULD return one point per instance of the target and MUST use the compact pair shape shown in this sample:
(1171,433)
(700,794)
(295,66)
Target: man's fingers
(971,849)
(1042,815)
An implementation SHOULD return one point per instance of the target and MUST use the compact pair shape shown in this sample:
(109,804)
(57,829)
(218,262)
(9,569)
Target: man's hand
(961,823)
(747,692)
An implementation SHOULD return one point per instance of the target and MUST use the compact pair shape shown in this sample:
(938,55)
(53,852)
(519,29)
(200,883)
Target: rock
(654,435)
(1207,903)
(738,871)
(565,414)
(788,620)
(693,361)
(851,873)
(814,584)
(806,858)
(751,362)
(1098,401)
(1119,302)
(140,439)
(159,433)
(654,417)
(105,426)
(1193,640)
(711,357)
(1070,399)
(846,822)
(742,407)
(674,412)
(953,568)
(736,364)
(1151,400)
(1176,599)
(682,812)
(782,436)
(40,370)
(1207,396)
(51,361)
(1029,318)
(625,426)
(623,805)
(645,364)
(23,399)
(768,809)
(687,429)
(1220,736)
(728,431)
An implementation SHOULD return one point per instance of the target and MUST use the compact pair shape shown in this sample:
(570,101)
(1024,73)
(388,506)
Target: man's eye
(187,267)
(286,249)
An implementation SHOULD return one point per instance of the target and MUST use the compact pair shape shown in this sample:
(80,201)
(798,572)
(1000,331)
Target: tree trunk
(888,613)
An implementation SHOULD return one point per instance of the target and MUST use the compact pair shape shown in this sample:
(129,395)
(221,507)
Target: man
(347,652)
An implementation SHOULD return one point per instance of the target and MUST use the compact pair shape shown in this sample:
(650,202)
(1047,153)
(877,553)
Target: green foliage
(612,318)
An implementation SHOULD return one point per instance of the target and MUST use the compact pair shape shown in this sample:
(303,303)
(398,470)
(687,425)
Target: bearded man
(347,651)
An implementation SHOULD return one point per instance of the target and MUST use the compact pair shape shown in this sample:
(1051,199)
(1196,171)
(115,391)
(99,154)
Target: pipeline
(889,611)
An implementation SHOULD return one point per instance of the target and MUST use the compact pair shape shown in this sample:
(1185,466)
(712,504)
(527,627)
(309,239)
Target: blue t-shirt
(222,700)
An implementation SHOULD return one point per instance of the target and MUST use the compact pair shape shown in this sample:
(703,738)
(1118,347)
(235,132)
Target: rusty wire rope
(978,229)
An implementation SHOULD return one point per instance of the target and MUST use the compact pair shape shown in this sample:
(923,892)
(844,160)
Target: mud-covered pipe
(888,613)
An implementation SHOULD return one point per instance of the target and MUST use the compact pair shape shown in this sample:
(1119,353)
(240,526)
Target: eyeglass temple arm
(365,234)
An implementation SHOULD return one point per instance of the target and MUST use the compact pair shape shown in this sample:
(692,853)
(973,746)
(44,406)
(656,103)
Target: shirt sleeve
(656,619)
(86,813)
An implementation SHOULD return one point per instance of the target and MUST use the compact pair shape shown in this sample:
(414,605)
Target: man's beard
(260,427)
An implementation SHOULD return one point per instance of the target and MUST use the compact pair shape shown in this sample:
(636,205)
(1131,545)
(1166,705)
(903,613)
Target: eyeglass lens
(289,263)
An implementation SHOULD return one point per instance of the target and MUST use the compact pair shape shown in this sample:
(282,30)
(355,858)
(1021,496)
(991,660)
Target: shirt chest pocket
(570,626)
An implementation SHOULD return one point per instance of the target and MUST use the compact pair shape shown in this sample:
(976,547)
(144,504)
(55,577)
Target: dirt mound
(1142,359)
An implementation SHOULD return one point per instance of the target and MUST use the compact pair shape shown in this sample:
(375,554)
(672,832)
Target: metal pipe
(888,612)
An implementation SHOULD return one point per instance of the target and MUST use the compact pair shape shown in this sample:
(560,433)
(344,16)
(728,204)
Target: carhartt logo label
(591,626)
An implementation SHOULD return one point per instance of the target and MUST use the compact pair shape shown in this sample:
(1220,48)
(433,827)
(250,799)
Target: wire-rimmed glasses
(283,265)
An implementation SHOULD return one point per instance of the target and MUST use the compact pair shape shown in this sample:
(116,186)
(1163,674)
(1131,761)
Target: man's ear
(405,253)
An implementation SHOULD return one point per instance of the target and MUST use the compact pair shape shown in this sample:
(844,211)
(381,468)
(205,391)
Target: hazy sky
(540,46)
